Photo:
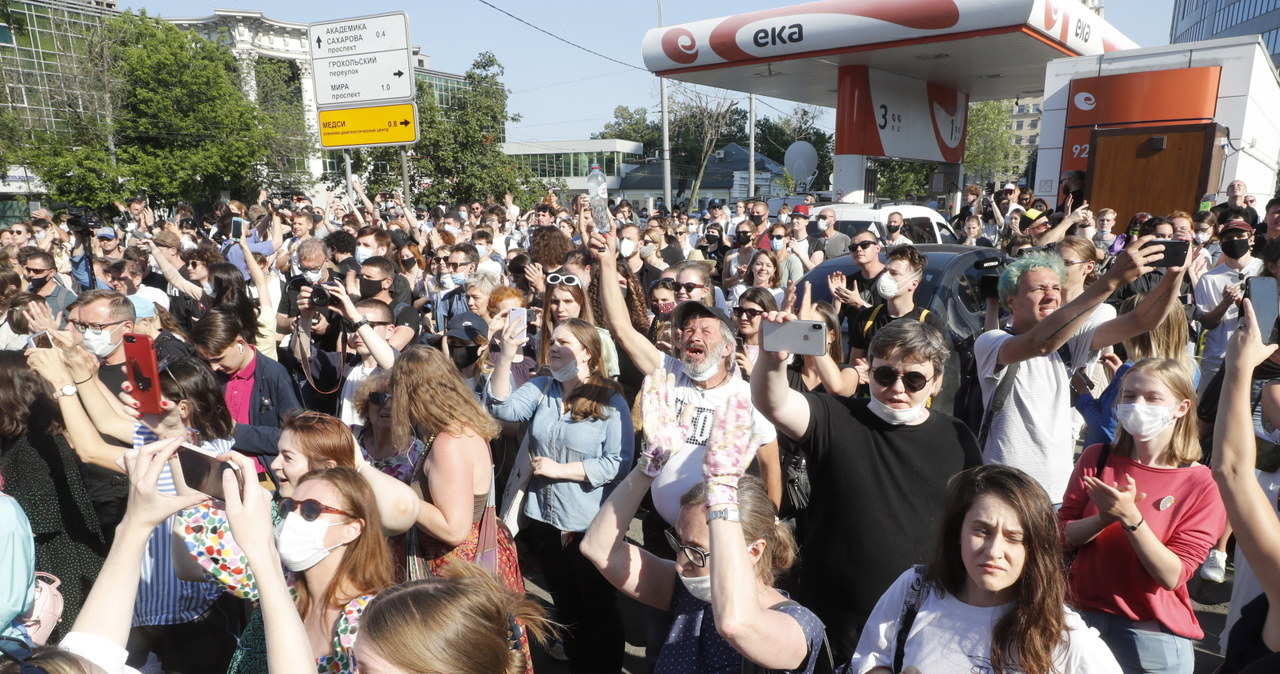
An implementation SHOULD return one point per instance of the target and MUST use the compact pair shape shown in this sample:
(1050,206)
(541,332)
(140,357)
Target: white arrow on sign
(360,35)
(364,78)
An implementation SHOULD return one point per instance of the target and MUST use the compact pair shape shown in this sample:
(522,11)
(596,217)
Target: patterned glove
(663,434)
(729,449)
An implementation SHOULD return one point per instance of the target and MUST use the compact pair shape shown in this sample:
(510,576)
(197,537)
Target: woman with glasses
(1142,514)
(309,442)
(748,317)
(566,298)
(580,440)
(729,545)
(993,594)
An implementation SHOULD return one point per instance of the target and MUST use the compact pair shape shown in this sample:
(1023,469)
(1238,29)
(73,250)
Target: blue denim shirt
(604,446)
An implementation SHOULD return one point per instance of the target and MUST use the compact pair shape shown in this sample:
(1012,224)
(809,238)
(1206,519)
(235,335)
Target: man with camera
(368,326)
(313,263)
(374,283)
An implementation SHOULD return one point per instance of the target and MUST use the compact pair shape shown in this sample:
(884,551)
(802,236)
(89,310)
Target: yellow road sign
(372,126)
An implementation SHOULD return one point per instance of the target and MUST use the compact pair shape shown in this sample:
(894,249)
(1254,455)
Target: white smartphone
(519,316)
(806,338)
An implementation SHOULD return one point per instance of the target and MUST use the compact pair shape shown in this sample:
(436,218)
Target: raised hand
(663,433)
(730,448)
(1245,348)
(147,505)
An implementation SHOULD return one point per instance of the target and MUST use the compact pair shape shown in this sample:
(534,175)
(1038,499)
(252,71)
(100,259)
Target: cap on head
(690,309)
(466,326)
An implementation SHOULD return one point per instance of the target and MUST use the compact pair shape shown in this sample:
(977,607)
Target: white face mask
(363,254)
(1202,238)
(626,247)
(823,224)
(1144,421)
(188,243)
(301,543)
(647,250)
(313,275)
(207,288)
(712,367)
(894,416)
(99,343)
(566,372)
(887,286)
(482,250)
(699,587)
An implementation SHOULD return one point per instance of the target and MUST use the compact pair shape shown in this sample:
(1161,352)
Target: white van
(921,224)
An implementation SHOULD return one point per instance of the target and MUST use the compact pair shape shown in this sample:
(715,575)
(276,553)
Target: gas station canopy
(989,49)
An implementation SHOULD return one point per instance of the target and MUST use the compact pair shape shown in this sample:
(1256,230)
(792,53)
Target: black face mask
(37,283)
(1235,248)
(463,356)
(744,238)
(757,218)
(894,229)
(369,288)
(712,239)
(409,262)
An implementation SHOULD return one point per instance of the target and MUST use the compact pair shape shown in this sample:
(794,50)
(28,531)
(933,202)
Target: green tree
(290,144)
(150,109)
(774,136)
(701,122)
(896,178)
(458,156)
(990,152)
(633,124)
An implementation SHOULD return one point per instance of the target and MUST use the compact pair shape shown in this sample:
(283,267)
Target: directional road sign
(359,35)
(364,78)
(371,126)
(361,60)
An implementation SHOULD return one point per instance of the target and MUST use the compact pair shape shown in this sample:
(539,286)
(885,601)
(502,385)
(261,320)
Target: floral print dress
(207,535)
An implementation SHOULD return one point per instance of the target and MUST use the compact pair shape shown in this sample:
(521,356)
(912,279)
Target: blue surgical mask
(363,254)
(777,244)
(458,279)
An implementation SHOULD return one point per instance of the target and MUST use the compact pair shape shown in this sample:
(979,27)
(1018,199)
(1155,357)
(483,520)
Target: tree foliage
(896,178)
(148,109)
(279,89)
(990,152)
(702,122)
(458,156)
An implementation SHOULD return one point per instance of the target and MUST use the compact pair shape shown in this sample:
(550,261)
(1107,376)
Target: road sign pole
(346,161)
(404,173)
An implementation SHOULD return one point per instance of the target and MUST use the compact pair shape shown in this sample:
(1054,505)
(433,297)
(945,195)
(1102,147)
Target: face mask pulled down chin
(301,543)
(893,416)
(1235,248)
(699,587)
(703,371)
(566,372)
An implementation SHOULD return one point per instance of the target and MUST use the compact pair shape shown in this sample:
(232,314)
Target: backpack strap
(997,401)
(910,607)
(871,320)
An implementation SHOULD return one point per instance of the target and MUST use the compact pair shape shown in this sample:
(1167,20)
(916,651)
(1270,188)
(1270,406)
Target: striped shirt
(162,598)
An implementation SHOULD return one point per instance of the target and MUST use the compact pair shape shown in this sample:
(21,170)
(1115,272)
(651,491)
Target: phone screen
(202,472)
(40,340)
(1261,291)
(237,228)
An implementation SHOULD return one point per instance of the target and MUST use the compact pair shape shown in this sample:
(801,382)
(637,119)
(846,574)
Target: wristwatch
(65,390)
(1133,528)
(360,323)
(726,514)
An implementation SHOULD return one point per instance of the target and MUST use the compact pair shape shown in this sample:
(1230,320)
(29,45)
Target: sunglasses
(777,237)
(310,509)
(379,398)
(750,314)
(696,556)
(36,271)
(455,266)
(563,279)
(667,283)
(688,287)
(865,244)
(887,376)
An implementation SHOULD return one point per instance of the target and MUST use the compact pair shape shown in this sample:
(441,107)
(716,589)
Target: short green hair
(1012,274)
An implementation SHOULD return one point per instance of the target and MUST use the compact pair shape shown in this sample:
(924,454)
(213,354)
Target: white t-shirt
(949,635)
(1208,294)
(685,468)
(1033,431)
(346,405)
(102,652)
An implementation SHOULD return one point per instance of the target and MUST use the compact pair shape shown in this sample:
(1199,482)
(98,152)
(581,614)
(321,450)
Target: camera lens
(320,296)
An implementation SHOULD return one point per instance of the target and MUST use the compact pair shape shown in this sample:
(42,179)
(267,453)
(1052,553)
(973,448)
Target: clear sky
(562,93)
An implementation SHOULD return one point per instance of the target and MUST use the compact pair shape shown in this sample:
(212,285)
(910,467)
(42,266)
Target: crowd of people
(335,435)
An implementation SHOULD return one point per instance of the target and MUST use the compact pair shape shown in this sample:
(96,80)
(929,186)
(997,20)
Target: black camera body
(320,295)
